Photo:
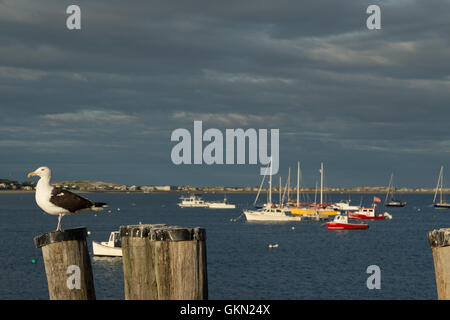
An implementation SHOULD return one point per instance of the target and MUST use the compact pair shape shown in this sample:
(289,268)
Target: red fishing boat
(368,214)
(340,222)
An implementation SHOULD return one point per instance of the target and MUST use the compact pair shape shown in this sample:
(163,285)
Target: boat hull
(192,205)
(107,251)
(255,216)
(442,205)
(396,204)
(221,206)
(364,217)
(345,226)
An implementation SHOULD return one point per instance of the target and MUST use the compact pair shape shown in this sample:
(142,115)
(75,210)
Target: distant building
(147,189)
(121,188)
(165,188)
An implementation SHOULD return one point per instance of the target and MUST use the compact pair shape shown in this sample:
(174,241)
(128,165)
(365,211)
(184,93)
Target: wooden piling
(439,241)
(164,262)
(67,264)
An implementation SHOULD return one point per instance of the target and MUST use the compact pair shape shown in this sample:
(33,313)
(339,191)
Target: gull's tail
(98,206)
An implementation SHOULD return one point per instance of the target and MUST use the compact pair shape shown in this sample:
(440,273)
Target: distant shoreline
(222,192)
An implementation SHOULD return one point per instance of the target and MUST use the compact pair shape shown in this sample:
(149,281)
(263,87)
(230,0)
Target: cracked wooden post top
(162,232)
(58,236)
(439,238)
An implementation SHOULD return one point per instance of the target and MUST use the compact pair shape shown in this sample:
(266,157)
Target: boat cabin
(114,240)
(340,219)
(370,212)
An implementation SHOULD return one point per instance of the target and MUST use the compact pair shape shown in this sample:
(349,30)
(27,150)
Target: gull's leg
(59,223)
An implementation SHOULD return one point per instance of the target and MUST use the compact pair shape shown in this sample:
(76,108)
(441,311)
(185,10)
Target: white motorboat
(269,213)
(344,205)
(221,205)
(192,201)
(110,248)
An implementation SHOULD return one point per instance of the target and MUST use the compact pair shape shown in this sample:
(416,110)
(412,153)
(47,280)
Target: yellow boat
(308,211)
(329,212)
(299,209)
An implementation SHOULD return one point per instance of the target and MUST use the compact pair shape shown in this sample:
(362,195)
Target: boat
(193,201)
(110,248)
(368,214)
(390,200)
(340,222)
(270,212)
(442,204)
(221,205)
(315,208)
(344,205)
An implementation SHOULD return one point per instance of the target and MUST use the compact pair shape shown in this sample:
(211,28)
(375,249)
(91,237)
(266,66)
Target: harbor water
(310,262)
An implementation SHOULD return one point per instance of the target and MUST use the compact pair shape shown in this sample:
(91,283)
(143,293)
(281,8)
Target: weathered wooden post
(439,241)
(164,262)
(67,264)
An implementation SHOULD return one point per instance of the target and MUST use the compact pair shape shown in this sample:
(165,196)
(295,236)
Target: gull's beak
(31,174)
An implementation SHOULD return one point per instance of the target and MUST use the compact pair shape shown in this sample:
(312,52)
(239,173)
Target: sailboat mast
(315,195)
(280,190)
(321,183)
(438,185)
(298,184)
(289,185)
(389,188)
(260,187)
(270,182)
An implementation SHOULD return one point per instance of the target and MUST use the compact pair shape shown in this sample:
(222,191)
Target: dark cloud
(103,101)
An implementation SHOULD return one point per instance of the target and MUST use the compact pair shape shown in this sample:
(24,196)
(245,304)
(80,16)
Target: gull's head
(41,172)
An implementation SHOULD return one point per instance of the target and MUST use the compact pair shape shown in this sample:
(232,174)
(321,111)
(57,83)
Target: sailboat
(390,200)
(319,208)
(442,204)
(269,212)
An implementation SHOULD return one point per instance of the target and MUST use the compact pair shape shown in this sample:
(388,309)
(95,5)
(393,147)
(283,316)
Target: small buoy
(89,233)
(33,261)
(292,228)
(118,209)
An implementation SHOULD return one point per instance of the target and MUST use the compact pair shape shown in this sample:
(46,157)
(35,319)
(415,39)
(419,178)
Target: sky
(101,103)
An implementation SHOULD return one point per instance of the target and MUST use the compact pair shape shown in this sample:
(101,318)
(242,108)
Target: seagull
(58,201)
